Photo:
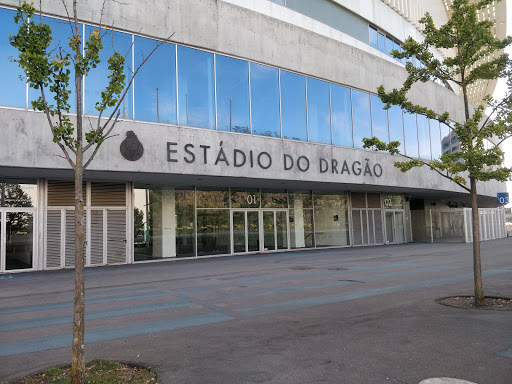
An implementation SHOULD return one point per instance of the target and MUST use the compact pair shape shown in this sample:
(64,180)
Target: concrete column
(164,221)
(298,221)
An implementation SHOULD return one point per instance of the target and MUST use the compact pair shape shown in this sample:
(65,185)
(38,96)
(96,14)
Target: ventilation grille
(116,236)
(62,193)
(96,236)
(53,238)
(70,237)
(108,195)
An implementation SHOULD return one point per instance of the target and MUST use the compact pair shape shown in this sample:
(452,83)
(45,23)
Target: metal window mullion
(133,81)
(246,225)
(215,88)
(3,232)
(250,99)
(330,113)
(352,118)
(307,115)
(280,103)
(83,78)
(313,214)
(176,78)
(232,231)
(63,238)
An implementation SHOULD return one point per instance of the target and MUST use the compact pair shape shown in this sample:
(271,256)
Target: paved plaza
(353,316)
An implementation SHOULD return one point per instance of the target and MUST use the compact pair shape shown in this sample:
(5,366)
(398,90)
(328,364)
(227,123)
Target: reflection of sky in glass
(13,89)
(411,135)
(319,123)
(97,80)
(379,119)
(396,126)
(232,94)
(155,84)
(265,100)
(373,38)
(362,123)
(389,46)
(424,137)
(382,42)
(196,88)
(435,139)
(341,116)
(61,32)
(293,106)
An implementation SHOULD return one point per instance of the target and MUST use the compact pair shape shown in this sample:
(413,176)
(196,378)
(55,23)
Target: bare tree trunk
(78,363)
(477,265)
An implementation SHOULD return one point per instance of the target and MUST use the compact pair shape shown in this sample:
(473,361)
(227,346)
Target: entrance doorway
(16,239)
(259,230)
(395,226)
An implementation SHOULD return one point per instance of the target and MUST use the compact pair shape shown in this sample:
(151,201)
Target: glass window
(389,45)
(265,100)
(411,135)
(382,43)
(212,197)
(14,87)
(232,94)
(319,119)
(213,232)
(293,106)
(19,240)
(301,228)
(245,198)
(393,201)
(362,121)
(445,138)
(163,223)
(424,137)
(274,199)
(341,115)
(396,126)
(155,84)
(61,34)
(331,219)
(97,80)
(300,199)
(18,195)
(435,139)
(196,96)
(379,120)
(374,40)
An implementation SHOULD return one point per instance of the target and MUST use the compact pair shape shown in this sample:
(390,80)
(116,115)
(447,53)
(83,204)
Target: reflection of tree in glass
(138,224)
(18,222)
(240,129)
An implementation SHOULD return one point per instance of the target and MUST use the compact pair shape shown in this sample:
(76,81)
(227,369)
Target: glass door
(16,239)
(275,229)
(395,226)
(246,231)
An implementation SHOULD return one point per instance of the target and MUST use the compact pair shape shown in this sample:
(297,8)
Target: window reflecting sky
(379,120)
(424,137)
(293,106)
(382,42)
(341,116)
(232,94)
(319,121)
(13,89)
(196,88)
(435,139)
(374,42)
(97,79)
(445,138)
(411,135)
(155,84)
(362,122)
(265,100)
(396,126)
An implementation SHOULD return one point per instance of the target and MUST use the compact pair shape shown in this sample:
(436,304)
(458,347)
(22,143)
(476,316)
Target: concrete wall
(236,30)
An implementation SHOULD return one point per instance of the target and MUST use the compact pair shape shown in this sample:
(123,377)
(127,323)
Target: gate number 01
(251,199)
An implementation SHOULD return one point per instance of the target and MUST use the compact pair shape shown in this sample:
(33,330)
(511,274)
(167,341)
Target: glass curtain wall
(301,220)
(196,88)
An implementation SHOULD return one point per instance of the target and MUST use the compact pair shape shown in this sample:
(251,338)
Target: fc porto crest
(131,147)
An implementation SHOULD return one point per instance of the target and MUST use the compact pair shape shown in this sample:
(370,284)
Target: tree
(476,58)
(50,72)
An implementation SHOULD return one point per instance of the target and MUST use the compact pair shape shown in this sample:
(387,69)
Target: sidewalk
(353,315)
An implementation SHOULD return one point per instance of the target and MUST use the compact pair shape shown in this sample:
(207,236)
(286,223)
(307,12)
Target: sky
(498,93)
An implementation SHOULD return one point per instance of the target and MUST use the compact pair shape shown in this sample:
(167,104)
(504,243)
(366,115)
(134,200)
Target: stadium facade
(242,134)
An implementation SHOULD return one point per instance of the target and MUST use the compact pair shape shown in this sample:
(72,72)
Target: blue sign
(503,198)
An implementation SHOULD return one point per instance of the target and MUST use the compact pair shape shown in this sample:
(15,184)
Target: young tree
(49,71)
(476,58)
